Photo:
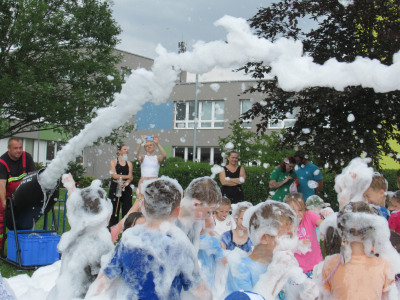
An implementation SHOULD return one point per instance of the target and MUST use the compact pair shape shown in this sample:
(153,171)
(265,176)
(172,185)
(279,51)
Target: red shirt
(394,221)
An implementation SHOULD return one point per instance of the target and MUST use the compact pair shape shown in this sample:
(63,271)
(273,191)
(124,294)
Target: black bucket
(28,200)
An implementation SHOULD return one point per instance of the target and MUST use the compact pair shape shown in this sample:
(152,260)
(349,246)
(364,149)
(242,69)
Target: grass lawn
(8,270)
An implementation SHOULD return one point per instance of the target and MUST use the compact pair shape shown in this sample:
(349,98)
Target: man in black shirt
(15,164)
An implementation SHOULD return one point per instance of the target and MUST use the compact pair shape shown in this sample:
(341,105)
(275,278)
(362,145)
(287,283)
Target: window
(245,105)
(50,150)
(60,145)
(211,155)
(79,158)
(211,114)
(29,146)
(288,122)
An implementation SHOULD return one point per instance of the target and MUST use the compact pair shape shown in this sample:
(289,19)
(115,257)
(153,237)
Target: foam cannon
(30,201)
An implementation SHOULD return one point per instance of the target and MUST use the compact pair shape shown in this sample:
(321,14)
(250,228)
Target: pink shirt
(307,231)
(394,221)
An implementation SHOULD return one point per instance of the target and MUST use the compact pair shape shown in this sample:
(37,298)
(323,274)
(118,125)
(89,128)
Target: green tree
(243,142)
(265,149)
(57,64)
(76,169)
(366,28)
(272,149)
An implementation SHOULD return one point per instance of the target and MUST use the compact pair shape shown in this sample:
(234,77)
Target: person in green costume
(281,178)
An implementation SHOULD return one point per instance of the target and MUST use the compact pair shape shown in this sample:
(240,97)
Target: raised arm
(163,155)
(138,148)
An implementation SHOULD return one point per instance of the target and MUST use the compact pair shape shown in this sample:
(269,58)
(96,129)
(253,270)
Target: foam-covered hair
(87,207)
(240,207)
(205,190)
(354,180)
(266,218)
(361,222)
(161,197)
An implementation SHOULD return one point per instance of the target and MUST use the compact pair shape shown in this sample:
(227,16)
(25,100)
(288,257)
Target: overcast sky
(146,23)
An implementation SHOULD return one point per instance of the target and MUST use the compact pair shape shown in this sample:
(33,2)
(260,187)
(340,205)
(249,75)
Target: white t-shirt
(224,226)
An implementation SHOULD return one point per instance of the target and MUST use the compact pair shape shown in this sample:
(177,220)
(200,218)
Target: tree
(57,64)
(368,28)
(251,148)
(76,169)
(242,140)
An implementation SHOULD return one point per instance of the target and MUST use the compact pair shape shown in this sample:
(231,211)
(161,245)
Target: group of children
(188,245)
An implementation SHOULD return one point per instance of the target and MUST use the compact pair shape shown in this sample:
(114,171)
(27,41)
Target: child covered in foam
(308,222)
(224,221)
(154,260)
(354,180)
(357,272)
(272,227)
(238,237)
(88,212)
(210,254)
(377,194)
(394,219)
(202,197)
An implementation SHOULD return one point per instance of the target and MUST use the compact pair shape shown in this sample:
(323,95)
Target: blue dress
(227,239)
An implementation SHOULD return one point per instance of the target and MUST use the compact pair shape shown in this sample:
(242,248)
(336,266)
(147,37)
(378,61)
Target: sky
(146,23)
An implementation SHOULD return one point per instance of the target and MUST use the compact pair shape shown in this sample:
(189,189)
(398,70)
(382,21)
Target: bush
(86,181)
(76,169)
(39,166)
(256,187)
(328,193)
(391,177)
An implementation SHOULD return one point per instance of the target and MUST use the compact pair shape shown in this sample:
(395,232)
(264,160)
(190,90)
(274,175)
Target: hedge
(256,187)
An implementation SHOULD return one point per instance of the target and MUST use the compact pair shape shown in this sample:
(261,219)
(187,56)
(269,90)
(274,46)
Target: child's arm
(99,286)
(219,253)
(202,292)
(68,183)
(283,266)
(224,261)
(224,241)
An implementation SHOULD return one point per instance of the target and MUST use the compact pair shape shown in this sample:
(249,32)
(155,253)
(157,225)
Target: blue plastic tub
(36,249)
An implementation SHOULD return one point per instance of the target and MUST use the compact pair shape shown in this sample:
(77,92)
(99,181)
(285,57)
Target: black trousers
(125,201)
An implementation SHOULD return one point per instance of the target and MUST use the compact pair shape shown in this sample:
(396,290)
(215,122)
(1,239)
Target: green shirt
(279,176)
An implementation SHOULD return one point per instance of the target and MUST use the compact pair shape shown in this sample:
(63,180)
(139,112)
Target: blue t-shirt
(226,238)
(383,211)
(309,172)
(245,275)
(145,258)
(209,254)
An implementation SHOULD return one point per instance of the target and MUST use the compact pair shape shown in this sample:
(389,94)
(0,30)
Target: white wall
(3,146)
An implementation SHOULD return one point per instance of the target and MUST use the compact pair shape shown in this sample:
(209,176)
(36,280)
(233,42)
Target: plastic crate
(36,250)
